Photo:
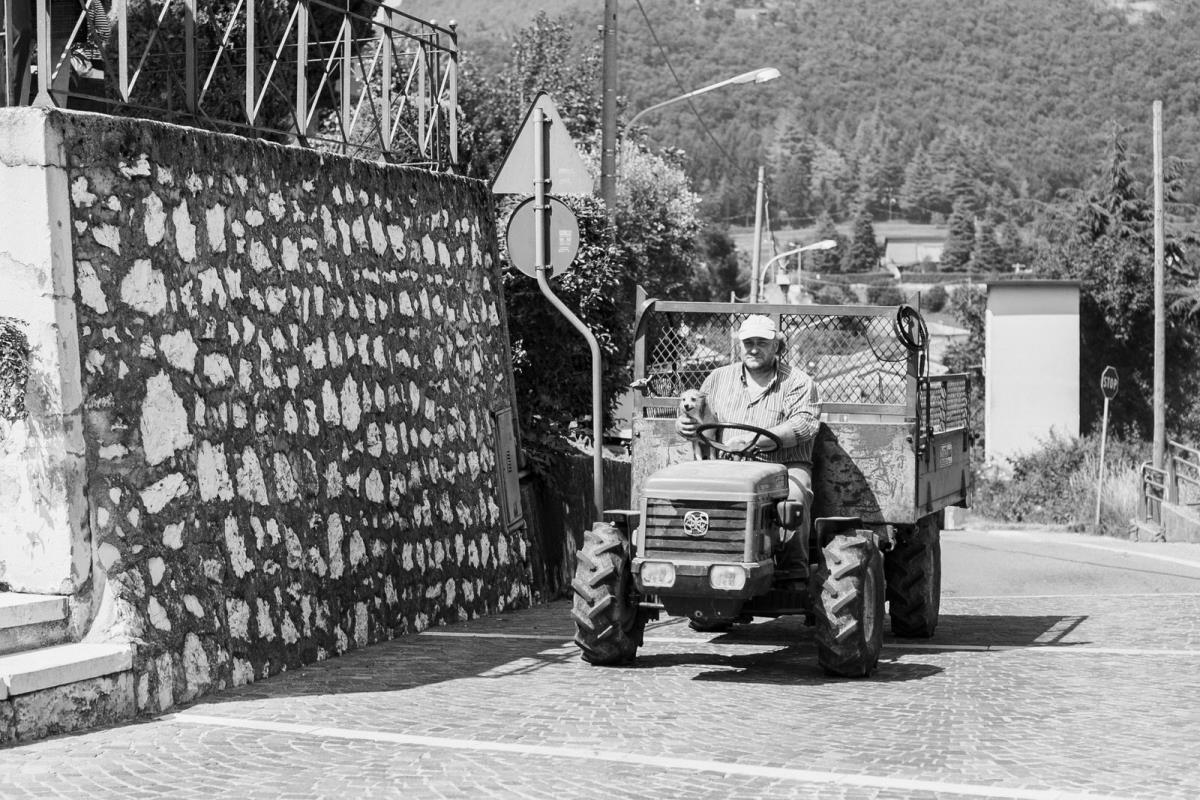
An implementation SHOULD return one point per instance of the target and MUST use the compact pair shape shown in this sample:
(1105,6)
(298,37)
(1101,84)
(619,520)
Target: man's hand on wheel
(761,443)
(765,445)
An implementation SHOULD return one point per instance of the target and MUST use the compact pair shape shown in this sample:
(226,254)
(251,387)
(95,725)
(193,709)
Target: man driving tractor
(764,391)
(728,540)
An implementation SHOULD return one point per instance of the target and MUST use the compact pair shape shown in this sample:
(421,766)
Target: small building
(907,250)
(1031,365)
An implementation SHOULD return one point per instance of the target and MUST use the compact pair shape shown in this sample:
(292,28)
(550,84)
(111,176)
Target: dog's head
(692,402)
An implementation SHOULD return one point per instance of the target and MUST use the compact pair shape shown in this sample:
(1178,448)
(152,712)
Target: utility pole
(608,112)
(1160,329)
(756,251)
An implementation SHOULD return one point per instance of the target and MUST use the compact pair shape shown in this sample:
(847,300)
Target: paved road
(1064,667)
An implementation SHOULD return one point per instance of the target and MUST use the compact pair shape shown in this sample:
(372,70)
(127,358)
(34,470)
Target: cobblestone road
(1031,696)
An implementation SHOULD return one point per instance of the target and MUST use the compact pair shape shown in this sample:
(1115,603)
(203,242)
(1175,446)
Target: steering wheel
(747,451)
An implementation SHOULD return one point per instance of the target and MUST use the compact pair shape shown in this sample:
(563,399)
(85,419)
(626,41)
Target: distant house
(907,250)
(750,15)
(941,336)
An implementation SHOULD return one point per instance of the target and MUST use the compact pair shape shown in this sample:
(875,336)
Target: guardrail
(356,76)
(1177,483)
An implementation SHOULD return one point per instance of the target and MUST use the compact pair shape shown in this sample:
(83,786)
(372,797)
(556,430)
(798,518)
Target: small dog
(693,405)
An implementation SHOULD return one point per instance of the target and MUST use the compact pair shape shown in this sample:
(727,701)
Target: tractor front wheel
(849,593)
(608,624)
(913,569)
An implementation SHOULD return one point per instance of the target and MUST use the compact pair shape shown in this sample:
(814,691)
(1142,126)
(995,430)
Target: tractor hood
(719,480)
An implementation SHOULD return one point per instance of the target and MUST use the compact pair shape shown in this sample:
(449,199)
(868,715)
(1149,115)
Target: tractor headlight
(658,573)
(727,577)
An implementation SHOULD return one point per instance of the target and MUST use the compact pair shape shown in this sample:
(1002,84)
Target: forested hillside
(903,104)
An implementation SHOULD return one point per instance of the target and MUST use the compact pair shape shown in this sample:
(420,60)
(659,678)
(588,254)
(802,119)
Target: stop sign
(1108,382)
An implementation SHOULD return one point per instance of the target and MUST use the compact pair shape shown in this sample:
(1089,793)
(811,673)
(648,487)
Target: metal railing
(1177,483)
(356,76)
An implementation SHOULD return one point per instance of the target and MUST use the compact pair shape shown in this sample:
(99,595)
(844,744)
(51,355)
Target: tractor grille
(665,537)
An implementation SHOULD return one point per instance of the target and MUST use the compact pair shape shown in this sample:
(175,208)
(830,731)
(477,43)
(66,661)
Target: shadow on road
(795,665)
(1003,630)
(784,653)
(970,630)
(409,663)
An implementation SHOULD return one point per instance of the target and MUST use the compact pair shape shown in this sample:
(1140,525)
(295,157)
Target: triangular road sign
(568,173)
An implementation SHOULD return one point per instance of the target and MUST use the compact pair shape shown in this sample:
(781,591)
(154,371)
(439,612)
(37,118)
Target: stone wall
(290,364)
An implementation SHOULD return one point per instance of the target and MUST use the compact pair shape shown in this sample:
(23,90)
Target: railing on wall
(1177,483)
(352,76)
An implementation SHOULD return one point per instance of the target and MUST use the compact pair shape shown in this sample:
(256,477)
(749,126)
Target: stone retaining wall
(290,365)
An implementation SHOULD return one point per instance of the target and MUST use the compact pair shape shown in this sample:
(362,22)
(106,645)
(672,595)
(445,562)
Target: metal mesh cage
(853,358)
(683,348)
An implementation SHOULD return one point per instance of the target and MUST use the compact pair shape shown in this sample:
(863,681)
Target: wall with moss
(290,367)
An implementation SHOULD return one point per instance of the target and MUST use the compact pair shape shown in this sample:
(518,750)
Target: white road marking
(1052,649)
(625,757)
(948,597)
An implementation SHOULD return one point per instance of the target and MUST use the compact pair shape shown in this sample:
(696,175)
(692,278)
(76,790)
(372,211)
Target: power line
(683,89)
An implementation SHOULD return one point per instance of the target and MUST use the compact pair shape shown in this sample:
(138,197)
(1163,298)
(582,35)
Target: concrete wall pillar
(44,531)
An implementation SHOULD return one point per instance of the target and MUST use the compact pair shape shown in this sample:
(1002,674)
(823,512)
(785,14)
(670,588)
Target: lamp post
(824,244)
(761,75)
(608,183)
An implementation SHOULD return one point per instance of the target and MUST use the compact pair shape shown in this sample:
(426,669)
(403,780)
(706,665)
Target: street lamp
(608,181)
(824,244)
(761,75)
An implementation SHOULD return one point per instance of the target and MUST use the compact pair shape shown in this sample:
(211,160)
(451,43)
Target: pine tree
(826,262)
(831,178)
(1011,243)
(791,167)
(948,163)
(1116,204)
(863,253)
(918,196)
(720,256)
(988,257)
(960,242)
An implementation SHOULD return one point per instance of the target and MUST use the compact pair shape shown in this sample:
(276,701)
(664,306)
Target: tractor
(705,537)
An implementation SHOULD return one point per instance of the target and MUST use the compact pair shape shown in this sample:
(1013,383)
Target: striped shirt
(791,396)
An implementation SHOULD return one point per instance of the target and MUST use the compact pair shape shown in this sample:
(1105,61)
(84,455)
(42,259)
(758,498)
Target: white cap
(757,326)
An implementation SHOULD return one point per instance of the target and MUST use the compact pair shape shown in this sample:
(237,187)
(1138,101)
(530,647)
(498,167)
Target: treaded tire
(848,605)
(608,623)
(913,569)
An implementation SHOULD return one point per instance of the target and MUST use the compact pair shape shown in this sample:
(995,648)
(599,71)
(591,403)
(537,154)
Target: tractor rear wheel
(849,605)
(913,569)
(608,622)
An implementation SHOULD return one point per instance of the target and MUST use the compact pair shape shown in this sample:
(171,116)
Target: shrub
(1056,485)
(935,299)
(884,295)
(835,294)
(551,360)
